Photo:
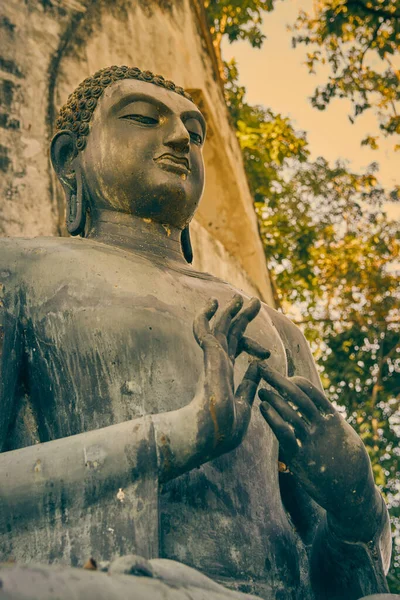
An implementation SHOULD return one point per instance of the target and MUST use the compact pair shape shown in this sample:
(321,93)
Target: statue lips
(172,162)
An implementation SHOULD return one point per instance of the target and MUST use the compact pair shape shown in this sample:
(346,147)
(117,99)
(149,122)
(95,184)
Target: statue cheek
(116,197)
(197,168)
(108,183)
(199,187)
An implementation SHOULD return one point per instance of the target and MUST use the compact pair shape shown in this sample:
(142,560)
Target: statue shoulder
(18,247)
(11,250)
(26,252)
(26,261)
(13,254)
(298,352)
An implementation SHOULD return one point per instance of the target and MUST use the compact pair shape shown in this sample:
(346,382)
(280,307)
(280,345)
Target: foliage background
(331,250)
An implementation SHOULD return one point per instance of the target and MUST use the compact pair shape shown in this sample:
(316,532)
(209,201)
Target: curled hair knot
(91,104)
(97,91)
(86,115)
(81,142)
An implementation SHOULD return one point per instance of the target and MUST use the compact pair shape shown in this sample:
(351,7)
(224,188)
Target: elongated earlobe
(63,157)
(76,208)
(187,245)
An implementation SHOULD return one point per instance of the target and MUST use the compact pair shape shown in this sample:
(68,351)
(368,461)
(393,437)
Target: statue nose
(178,137)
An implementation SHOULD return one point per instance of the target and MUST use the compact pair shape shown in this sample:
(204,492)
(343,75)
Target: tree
(237,20)
(359,39)
(332,257)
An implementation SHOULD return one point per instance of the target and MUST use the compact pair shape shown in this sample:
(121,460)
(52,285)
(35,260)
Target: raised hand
(216,419)
(226,413)
(319,447)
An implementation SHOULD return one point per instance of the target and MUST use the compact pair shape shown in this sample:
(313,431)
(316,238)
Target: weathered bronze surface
(122,432)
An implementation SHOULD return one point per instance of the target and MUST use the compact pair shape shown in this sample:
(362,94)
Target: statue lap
(133,578)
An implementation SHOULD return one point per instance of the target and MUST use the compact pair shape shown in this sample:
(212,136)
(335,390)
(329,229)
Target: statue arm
(330,491)
(73,471)
(98,463)
(348,564)
(10,361)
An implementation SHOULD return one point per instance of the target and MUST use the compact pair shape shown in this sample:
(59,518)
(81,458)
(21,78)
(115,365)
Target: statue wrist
(363,524)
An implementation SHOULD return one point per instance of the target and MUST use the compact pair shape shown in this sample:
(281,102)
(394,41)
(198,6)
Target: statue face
(144,153)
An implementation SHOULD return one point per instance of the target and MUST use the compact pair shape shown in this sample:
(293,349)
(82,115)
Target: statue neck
(136,234)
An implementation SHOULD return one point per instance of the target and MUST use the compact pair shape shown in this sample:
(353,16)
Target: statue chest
(115,344)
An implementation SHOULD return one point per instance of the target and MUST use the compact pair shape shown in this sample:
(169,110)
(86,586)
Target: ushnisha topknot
(76,114)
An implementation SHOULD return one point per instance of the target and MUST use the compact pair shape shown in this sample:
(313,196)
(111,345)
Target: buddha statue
(152,410)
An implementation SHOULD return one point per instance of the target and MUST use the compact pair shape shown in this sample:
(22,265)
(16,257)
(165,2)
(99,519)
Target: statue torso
(108,337)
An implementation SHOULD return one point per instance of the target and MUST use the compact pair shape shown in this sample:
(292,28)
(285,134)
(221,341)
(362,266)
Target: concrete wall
(48,46)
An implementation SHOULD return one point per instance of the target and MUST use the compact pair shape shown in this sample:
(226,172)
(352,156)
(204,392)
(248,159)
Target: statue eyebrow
(137,97)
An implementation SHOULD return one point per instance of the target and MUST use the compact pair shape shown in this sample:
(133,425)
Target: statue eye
(196,138)
(144,120)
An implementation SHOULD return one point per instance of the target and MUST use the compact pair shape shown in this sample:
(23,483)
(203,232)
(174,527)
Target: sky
(276,77)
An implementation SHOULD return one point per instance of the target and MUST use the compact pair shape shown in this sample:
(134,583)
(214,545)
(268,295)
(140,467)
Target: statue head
(130,141)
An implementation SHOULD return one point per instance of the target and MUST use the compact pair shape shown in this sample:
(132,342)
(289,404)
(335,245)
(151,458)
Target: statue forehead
(128,88)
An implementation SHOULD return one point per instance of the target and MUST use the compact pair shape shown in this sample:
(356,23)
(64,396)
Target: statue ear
(63,153)
(186,245)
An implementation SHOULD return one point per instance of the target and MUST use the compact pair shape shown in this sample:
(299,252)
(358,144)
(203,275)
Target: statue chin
(173,207)
(174,211)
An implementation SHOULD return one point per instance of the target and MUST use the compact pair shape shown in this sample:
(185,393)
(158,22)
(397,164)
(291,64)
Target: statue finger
(252,347)
(316,395)
(290,392)
(224,319)
(284,434)
(244,399)
(201,324)
(246,390)
(287,413)
(239,324)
